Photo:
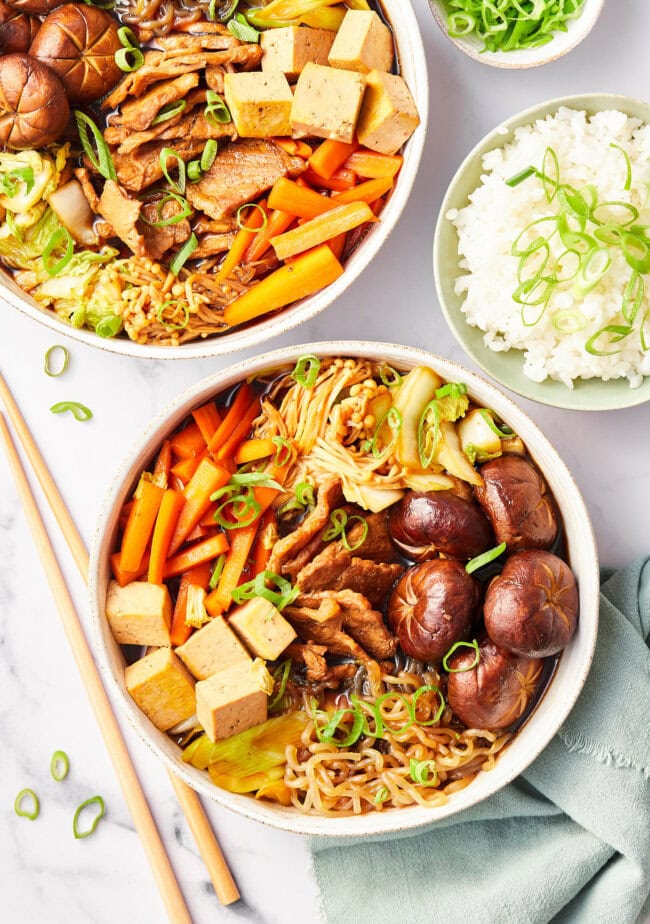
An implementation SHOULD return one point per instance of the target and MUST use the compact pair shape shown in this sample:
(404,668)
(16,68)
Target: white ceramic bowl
(563,42)
(413,68)
(558,699)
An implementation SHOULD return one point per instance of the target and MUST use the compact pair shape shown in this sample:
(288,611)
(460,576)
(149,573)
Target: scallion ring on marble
(48,364)
(59,766)
(29,796)
(101,811)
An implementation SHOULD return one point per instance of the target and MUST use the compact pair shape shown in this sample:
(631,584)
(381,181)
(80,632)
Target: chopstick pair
(134,795)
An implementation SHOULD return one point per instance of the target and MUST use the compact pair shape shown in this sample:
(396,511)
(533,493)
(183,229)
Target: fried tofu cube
(234,700)
(363,43)
(213,648)
(388,115)
(263,628)
(290,48)
(162,687)
(139,613)
(259,103)
(327,102)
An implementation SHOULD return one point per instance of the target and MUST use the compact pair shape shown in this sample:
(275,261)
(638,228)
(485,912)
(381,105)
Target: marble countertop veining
(46,874)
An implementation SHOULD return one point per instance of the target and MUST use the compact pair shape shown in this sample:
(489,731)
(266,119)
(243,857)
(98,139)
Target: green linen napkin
(569,841)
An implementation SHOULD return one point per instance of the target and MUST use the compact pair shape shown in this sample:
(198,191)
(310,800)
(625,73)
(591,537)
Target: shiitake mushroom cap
(423,524)
(34,109)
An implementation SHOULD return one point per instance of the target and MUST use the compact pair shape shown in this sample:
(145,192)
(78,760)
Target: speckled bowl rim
(632,397)
(510,60)
(408,40)
(538,731)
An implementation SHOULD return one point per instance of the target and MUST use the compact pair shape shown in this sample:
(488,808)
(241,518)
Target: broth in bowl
(341,587)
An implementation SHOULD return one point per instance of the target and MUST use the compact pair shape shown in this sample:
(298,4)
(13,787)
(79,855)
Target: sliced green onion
(255,207)
(101,157)
(550,182)
(306,371)
(461,670)
(382,795)
(645,332)
(79,411)
(305,494)
(452,390)
(569,322)
(169,111)
(428,688)
(427,452)
(109,326)
(282,672)
(390,377)
(34,805)
(47,366)
(338,519)
(178,185)
(129,60)
(284,451)
(209,154)
(633,297)
(618,332)
(419,771)
(101,811)
(394,420)
(241,506)
(216,110)
(592,269)
(221,14)
(283,594)
(240,27)
(185,212)
(194,173)
(258,479)
(216,572)
(327,733)
(460,24)
(184,254)
(127,37)
(174,306)
(364,534)
(636,251)
(59,238)
(481,560)
(59,766)
(628,165)
(521,176)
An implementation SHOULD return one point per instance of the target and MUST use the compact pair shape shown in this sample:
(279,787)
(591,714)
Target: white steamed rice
(488,226)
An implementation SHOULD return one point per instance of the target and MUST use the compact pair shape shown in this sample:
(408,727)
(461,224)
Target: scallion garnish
(510,25)
(257,479)
(167,155)
(390,377)
(382,795)
(238,509)
(628,165)
(428,437)
(504,432)
(79,411)
(216,110)
(100,156)
(242,29)
(65,359)
(306,371)
(209,154)
(284,451)
(185,211)
(128,58)
(281,673)
(172,306)
(393,419)
(461,670)
(569,322)
(169,111)
(618,332)
(33,805)
(59,766)
(241,221)
(101,811)
(221,14)
(194,173)
(340,522)
(217,571)
(59,238)
(281,594)
(305,494)
(423,772)
(521,176)
(109,326)
(184,254)
(452,390)
(481,560)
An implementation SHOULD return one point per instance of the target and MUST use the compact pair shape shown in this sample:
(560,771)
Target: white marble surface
(46,875)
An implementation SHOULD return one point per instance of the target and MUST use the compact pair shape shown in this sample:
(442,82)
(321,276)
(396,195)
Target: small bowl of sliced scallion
(516,33)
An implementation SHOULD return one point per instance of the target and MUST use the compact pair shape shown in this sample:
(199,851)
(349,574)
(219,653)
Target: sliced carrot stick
(337,245)
(240,432)
(242,242)
(208,518)
(128,577)
(372,165)
(241,544)
(170,509)
(124,514)
(295,199)
(207,419)
(342,179)
(163,465)
(311,273)
(207,479)
(186,467)
(330,155)
(366,192)
(287,144)
(198,554)
(252,450)
(304,150)
(241,401)
(199,577)
(319,230)
(140,525)
(201,532)
(188,442)
(278,223)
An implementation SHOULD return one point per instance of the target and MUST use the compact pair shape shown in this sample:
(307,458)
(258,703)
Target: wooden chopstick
(220,875)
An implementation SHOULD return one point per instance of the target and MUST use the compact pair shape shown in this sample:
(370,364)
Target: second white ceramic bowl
(558,699)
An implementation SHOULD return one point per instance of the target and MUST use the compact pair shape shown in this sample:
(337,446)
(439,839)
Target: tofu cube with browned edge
(290,48)
(162,687)
(327,102)
(388,115)
(215,647)
(363,43)
(234,700)
(139,613)
(263,628)
(259,103)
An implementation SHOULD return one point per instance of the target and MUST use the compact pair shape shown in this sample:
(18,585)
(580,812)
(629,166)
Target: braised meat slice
(365,624)
(214,78)
(212,244)
(286,550)
(337,569)
(83,175)
(138,114)
(377,545)
(141,168)
(180,43)
(312,656)
(159,240)
(240,174)
(122,213)
(324,626)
